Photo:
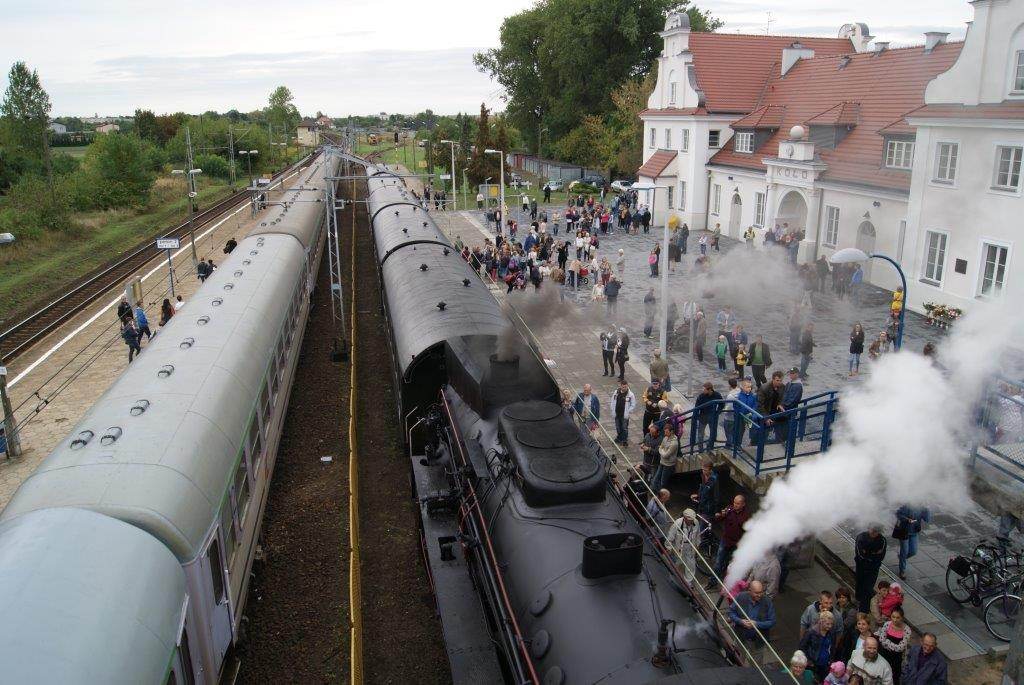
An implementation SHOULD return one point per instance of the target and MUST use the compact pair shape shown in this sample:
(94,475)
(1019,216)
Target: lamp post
(454,196)
(501,194)
(190,186)
(663,327)
(465,201)
(248,161)
(853,254)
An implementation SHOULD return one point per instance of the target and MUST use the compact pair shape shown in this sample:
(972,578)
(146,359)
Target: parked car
(555,184)
(621,186)
(595,180)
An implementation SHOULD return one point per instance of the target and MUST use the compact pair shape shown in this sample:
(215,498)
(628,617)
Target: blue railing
(1000,421)
(729,425)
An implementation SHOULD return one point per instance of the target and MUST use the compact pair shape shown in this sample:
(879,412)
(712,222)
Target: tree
(560,60)
(480,167)
(26,111)
(117,171)
(281,112)
(146,126)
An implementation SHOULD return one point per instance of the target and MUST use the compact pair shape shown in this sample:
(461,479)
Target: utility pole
(10,427)
(231,152)
(190,183)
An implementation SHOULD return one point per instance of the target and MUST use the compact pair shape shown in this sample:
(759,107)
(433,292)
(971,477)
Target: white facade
(965,198)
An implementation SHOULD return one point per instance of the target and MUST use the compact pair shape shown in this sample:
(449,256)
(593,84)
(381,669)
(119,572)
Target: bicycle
(991,570)
(1001,614)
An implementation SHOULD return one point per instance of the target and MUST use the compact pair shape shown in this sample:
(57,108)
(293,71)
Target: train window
(265,404)
(217,573)
(171,680)
(255,446)
(241,490)
(186,658)
(274,381)
(227,524)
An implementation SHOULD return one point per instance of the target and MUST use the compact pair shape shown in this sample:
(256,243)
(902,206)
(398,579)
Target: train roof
(85,598)
(159,447)
(301,209)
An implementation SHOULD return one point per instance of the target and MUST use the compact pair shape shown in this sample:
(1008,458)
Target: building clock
(787,150)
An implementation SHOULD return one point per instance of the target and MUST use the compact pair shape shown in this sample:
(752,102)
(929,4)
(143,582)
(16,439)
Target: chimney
(932,39)
(793,54)
(881,45)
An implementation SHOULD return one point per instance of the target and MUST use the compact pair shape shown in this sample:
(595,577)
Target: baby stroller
(584,276)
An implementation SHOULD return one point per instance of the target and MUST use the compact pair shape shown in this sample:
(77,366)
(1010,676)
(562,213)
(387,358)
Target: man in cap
(608,351)
(652,396)
(683,539)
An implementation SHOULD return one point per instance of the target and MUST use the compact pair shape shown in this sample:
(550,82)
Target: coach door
(217,599)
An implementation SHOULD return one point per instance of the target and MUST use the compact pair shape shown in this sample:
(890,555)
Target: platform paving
(56,393)
(567,334)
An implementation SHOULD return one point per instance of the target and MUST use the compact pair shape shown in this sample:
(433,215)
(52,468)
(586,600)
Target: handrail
(520,642)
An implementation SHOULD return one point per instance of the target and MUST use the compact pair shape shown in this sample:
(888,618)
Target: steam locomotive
(541,566)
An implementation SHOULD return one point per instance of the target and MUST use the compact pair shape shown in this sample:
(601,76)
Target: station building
(911,152)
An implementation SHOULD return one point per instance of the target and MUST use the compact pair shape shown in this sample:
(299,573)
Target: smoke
(540,310)
(901,440)
(755,278)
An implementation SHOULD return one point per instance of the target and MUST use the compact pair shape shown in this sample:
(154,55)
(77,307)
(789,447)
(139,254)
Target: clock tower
(793,200)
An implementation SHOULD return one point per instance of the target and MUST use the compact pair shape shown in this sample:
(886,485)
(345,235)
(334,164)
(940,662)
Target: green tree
(146,125)
(117,170)
(281,112)
(26,111)
(560,60)
(480,164)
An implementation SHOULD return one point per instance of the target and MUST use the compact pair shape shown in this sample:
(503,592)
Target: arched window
(672,87)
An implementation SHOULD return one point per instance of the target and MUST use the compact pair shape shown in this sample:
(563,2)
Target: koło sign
(168,243)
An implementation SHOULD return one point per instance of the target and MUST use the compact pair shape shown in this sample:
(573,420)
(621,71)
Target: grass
(72,151)
(36,270)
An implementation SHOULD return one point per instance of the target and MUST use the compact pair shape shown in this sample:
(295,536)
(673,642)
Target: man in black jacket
(654,394)
(806,349)
(769,401)
(869,551)
(608,352)
(706,413)
(611,292)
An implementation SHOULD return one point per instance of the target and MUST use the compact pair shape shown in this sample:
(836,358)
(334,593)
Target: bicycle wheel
(1000,615)
(961,588)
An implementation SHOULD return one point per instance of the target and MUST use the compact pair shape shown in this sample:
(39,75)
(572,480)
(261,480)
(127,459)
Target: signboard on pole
(168,243)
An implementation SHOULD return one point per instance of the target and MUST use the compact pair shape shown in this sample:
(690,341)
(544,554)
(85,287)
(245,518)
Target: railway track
(32,327)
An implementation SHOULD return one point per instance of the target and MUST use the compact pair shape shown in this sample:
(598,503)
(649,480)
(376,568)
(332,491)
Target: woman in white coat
(683,539)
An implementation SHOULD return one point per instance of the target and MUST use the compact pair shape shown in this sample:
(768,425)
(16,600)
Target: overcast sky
(338,56)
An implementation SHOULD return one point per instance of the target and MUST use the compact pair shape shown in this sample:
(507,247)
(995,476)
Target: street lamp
(853,254)
(501,195)
(248,160)
(190,186)
(454,196)
(465,200)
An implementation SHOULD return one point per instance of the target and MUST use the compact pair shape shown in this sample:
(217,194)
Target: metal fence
(1000,421)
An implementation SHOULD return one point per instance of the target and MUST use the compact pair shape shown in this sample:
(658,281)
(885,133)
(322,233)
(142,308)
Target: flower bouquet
(941,315)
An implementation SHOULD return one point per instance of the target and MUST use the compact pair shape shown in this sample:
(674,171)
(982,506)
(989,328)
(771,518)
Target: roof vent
(442,305)
(793,54)
(111,436)
(396,212)
(217,301)
(446,251)
(465,282)
(139,407)
(844,60)
(612,554)
(238,274)
(165,371)
(881,45)
(254,252)
(203,320)
(187,343)
(933,39)
(82,440)
(424,224)
(229,286)
(423,267)
(405,230)
(246,262)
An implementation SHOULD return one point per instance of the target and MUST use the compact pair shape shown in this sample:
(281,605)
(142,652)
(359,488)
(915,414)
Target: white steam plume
(900,440)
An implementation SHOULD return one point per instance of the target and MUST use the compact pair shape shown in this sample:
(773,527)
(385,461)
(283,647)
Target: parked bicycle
(994,568)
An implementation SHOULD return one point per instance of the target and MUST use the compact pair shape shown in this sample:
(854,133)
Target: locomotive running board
(467,636)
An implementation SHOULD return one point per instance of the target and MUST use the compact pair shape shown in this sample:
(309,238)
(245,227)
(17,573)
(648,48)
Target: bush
(213,166)
(156,158)
(584,189)
(117,172)
(35,208)
(65,164)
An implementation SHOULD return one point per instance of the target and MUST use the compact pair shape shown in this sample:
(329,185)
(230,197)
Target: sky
(341,57)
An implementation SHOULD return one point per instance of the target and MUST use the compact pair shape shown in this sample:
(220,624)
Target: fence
(802,431)
(1000,422)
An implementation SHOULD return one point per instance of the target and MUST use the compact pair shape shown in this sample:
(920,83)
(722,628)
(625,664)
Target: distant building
(58,128)
(325,122)
(107,128)
(308,133)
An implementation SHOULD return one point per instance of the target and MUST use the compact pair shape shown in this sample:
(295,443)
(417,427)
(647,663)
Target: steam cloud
(901,440)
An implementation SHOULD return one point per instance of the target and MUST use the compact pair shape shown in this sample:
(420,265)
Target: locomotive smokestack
(661,657)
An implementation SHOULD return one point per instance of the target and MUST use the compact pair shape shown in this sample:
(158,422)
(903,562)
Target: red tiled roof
(886,86)
(769,116)
(673,112)
(653,167)
(1007,109)
(732,69)
(843,114)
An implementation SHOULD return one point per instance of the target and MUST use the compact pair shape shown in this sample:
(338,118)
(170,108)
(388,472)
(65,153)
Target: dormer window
(1018,73)
(714,138)
(744,142)
(899,154)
